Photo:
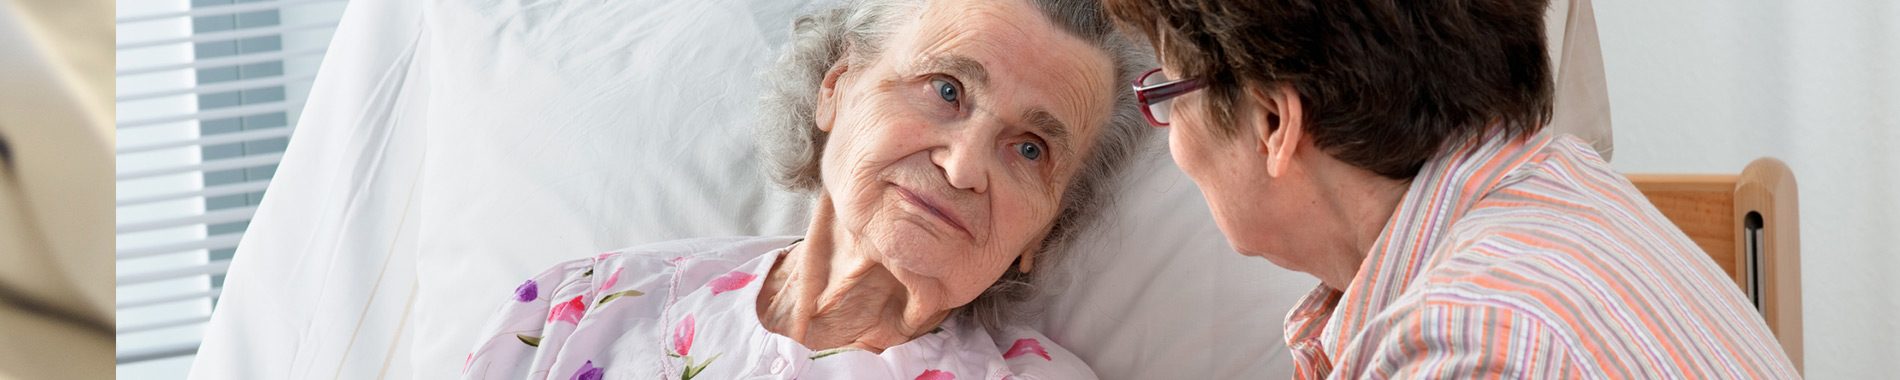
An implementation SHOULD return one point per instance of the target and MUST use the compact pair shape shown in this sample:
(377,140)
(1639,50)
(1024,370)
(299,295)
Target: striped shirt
(1529,258)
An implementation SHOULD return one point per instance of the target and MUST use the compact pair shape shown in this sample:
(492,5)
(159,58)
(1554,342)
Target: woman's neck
(826,293)
(1357,204)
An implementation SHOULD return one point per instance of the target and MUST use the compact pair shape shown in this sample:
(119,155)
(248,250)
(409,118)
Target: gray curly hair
(793,144)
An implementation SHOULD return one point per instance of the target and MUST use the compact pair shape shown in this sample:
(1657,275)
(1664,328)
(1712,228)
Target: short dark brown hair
(1386,84)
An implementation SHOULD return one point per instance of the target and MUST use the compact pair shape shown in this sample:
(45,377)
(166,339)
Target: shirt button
(778,365)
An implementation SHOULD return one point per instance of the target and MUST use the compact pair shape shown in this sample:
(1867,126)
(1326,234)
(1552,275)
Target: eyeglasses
(1153,91)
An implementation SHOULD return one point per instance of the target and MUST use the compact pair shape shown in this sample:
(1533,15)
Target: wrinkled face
(948,156)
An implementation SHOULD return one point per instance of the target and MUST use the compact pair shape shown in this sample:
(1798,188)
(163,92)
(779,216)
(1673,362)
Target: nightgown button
(778,365)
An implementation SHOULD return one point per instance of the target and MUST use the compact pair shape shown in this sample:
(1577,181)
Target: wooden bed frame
(1750,225)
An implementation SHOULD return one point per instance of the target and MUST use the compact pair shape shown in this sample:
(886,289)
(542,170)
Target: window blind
(208,95)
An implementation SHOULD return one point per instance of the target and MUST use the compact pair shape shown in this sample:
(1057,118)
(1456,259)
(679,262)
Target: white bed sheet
(452,148)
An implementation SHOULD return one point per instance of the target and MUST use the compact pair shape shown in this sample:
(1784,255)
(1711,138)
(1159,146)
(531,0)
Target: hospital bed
(1749,224)
(452,148)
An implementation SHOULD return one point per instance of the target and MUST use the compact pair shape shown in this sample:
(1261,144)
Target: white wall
(1702,86)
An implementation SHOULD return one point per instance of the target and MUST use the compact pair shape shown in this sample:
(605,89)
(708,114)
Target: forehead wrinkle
(962,67)
(942,28)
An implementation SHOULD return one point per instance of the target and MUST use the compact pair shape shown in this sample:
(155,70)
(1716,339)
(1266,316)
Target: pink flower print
(676,260)
(589,372)
(732,281)
(569,311)
(683,336)
(471,358)
(683,346)
(936,375)
(611,279)
(604,256)
(1027,346)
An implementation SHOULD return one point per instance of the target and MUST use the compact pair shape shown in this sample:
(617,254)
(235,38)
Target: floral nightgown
(687,310)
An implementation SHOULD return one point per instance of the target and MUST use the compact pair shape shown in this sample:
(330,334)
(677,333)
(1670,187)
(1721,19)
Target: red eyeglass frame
(1148,95)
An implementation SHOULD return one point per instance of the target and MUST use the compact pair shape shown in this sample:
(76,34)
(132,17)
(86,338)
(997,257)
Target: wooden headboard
(1750,224)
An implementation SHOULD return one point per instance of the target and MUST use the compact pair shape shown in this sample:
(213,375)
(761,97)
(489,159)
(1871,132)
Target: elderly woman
(1393,150)
(951,149)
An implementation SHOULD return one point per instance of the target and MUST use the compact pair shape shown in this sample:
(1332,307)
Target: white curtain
(335,217)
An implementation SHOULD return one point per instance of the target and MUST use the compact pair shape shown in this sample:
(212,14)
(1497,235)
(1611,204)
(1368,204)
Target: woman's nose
(966,159)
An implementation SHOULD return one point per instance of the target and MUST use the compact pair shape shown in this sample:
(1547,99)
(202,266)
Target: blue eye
(947,91)
(1030,151)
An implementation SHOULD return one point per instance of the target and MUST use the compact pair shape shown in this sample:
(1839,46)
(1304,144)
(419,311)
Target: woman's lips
(942,213)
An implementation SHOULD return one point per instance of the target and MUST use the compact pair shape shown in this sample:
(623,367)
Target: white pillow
(561,129)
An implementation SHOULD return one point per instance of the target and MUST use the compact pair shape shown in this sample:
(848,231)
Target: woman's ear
(1026,261)
(827,108)
(1280,124)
